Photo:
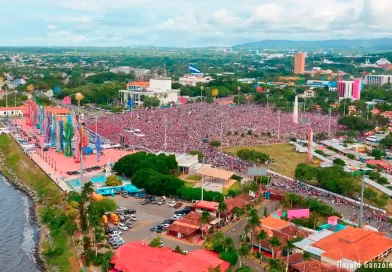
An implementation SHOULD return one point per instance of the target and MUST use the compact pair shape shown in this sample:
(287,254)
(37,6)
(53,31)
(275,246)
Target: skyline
(190,24)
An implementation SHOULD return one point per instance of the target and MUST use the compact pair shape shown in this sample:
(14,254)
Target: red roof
(315,266)
(143,84)
(355,244)
(136,257)
(237,202)
(208,205)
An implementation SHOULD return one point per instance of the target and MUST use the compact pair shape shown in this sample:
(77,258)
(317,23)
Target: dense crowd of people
(193,126)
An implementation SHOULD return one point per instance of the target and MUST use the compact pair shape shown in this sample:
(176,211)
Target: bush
(156,242)
(293,139)
(236,177)
(339,161)
(198,153)
(215,143)
(229,256)
(320,152)
(113,181)
(252,156)
(351,156)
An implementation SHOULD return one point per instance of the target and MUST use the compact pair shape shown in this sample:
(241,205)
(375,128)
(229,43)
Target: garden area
(284,158)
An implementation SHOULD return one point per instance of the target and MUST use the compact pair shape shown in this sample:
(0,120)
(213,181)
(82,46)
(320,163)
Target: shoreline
(41,265)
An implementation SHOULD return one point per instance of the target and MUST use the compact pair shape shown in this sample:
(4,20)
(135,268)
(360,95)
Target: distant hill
(381,43)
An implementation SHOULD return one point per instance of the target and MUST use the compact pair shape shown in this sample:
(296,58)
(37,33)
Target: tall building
(350,89)
(299,63)
(378,79)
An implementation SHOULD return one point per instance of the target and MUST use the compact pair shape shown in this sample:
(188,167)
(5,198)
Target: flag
(193,69)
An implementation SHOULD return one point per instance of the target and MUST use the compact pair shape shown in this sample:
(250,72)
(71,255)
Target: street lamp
(238,94)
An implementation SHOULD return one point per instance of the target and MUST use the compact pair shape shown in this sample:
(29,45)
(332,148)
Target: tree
(243,252)
(214,269)
(97,209)
(265,212)
(204,219)
(87,190)
(156,242)
(274,243)
(218,240)
(151,101)
(378,153)
(356,123)
(244,269)
(228,243)
(261,236)
(274,265)
(113,181)
(215,143)
(199,154)
(339,161)
(254,221)
(229,256)
(105,261)
(305,172)
(222,208)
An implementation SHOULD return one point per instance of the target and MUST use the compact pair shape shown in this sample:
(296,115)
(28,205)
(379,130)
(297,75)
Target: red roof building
(138,257)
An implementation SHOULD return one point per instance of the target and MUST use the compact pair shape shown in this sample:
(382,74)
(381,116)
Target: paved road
(235,231)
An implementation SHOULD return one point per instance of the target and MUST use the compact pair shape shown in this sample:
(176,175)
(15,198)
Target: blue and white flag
(193,69)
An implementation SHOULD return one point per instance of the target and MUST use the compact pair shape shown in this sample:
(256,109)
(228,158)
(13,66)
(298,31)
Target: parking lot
(149,216)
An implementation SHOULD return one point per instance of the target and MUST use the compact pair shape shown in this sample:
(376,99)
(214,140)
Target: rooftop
(274,223)
(209,205)
(315,266)
(215,173)
(355,244)
(137,257)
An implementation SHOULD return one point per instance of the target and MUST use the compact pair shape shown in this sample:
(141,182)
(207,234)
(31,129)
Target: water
(18,233)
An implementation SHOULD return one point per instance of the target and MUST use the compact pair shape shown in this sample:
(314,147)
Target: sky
(189,23)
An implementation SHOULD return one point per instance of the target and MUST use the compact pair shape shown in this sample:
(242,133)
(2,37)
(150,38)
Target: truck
(104,219)
(113,218)
(96,197)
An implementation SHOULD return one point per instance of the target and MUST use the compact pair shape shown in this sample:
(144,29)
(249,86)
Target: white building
(160,88)
(193,80)
(378,79)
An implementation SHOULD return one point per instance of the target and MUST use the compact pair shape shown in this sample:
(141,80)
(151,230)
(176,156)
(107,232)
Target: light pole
(238,95)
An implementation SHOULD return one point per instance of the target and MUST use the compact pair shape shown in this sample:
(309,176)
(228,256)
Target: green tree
(356,123)
(339,161)
(305,172)
(243,252)
(274,266)
(156,242)
(378,153)
(274,243)
(151,101)
(204,219)
(222,208)
(261,236)
(113,180)
(228,244)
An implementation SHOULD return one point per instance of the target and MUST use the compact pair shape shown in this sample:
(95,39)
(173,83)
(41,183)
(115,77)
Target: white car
(122,226)
(165,225)
(172,203)
(185,252)
(176,216)
(115,233)
(133,217)
(121,209)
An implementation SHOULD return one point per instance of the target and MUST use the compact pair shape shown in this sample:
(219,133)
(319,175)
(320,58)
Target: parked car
(122,226)
(168,221)
(154,201)
(133,217)
(185,252)
(122,218)
(120,209)
(125,194)
(157,229)
(176,216)
(115,233)
(146,201)
(161,201)
(165,225)
(177,205)
(172,203)
(128,224)
(129,211)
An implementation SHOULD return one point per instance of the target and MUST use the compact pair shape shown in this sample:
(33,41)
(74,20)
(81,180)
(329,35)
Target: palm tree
(219,238)
(238,212)
(105,261)
(204,219)
(228,244)
(243,252)
(262,235)
(254,221)
(87,190)
(274,266)
(274,242)
(222,208)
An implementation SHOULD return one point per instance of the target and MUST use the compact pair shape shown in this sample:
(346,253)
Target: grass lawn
(286,159)
(235,186)
(193,177)
(189,184)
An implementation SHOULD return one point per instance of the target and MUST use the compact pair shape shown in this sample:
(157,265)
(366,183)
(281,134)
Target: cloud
(193,22)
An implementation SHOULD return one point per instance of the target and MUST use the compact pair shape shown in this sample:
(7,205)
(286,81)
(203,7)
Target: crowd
(192,126)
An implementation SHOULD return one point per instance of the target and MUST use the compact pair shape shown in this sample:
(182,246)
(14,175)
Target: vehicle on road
(133,217)
(120,209)
(129,211)
(168,221)
(157,229)
(115,233)
(172,203)
(122,226)
(128,224)
(146,201)
(176,216)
